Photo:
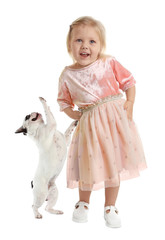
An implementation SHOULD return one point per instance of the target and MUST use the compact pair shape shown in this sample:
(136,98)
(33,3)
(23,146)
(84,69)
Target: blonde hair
(90,22)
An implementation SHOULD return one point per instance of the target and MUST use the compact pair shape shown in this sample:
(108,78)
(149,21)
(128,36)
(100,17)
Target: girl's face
(85,45)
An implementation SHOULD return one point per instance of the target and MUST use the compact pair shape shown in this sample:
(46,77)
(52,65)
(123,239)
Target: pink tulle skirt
(105,148)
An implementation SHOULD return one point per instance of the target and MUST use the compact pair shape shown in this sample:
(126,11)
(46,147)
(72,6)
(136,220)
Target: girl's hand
(76,115)
(128,106)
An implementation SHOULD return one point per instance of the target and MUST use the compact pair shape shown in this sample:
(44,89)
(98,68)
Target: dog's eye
(27,117)
(34,119)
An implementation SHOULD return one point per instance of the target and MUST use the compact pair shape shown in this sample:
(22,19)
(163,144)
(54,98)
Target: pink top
(89,84)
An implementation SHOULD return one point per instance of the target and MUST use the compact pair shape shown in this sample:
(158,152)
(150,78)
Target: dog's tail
(69,131)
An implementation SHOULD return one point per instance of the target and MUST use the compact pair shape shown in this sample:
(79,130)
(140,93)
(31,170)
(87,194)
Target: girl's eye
(79,40)
(92,41)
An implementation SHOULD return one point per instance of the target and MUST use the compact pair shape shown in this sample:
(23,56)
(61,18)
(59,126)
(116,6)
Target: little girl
(105,147)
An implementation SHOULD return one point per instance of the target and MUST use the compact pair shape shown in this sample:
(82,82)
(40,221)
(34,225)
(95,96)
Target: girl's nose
(84,46)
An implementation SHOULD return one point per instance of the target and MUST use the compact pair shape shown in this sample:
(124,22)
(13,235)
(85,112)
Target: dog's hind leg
(52,199)
(39,198)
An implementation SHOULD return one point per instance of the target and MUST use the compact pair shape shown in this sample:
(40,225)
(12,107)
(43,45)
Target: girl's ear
(101,53)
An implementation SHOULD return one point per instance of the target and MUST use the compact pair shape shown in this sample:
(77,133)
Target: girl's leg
(111,194)
(84,196)
(80,213)
(112,218)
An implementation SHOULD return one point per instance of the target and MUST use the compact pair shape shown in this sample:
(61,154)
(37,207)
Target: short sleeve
(64,99)
(122,75)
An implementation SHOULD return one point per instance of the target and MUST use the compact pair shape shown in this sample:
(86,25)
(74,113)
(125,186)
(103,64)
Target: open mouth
(34,119)
(84,54)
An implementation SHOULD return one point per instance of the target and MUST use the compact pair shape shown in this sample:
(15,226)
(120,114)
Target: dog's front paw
(73,125)
(42,99)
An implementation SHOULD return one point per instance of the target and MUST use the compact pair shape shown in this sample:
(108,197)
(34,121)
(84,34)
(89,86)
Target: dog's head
(31,124)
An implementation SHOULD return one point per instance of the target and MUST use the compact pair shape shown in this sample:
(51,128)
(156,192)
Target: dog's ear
(21,130)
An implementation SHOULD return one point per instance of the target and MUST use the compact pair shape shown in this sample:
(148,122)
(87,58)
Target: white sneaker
(80,213)
(112,218)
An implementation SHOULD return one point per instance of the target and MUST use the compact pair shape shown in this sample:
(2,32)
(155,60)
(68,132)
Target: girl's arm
(73,114)
(130,94)
(128,106)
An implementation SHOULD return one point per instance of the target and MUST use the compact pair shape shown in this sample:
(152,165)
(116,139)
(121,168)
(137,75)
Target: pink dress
(106,147)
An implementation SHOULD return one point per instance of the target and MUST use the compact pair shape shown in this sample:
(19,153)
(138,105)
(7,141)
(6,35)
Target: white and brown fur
(52,146)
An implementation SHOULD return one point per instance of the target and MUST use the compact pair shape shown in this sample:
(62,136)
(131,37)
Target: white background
(32,55)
